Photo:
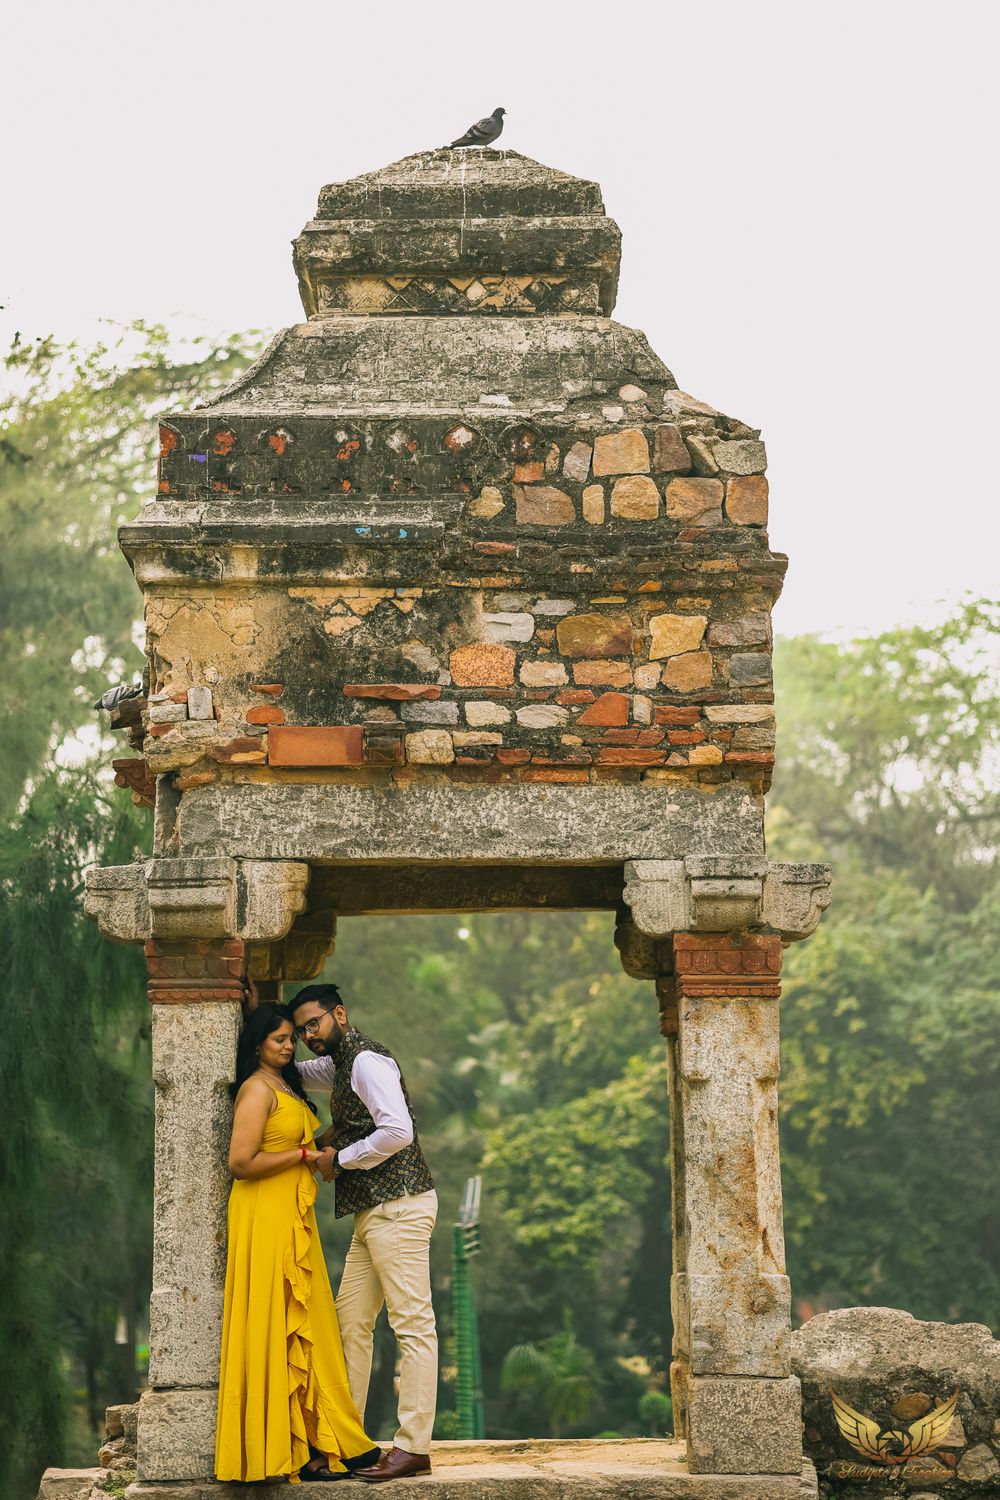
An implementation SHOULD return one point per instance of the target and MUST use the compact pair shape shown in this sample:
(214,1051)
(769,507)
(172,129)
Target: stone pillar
(203,922)
(710,932)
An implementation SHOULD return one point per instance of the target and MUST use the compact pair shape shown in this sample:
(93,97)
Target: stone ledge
(588,1469)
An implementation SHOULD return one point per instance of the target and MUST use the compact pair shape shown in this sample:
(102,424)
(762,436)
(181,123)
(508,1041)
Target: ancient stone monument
(455,602)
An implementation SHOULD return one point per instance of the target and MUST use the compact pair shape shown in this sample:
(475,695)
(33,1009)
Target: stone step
(545,1469)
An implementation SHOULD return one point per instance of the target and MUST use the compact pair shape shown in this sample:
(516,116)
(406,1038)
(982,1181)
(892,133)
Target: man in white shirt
(373,1153)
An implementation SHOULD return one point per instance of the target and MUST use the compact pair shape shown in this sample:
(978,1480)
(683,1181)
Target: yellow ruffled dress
(282,1380)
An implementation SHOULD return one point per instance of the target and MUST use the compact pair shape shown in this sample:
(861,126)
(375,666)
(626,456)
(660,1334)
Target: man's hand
(325,1137)
(251,999)
(326,1164)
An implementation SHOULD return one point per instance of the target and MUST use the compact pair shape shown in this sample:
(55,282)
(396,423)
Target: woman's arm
(246,1159)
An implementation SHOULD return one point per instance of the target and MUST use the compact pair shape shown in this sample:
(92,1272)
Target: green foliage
(656,1413)
(556,1374)
(77,446)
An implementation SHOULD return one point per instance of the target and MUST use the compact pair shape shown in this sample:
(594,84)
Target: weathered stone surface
(748,630)
(874,1357)
(194,1051)
(696,501)
(751,669)
(733,1324)
(199,703)
(670,451)
(116,899)
(593,504)
(443,712)
(743,1426)
(445,822)
(487,504)
(430,747)
(177,1433)
(553,607)
(635,497)
(688,672)
(794,898)
(671,635)
(576,464)
(979,1463)
(739,713)
(746,500)
(594,635)
(484,665)
(550,1469)
(542,716)
(508,627)
(167,713)
(67,1484)
(543,505)
(744,456)
(479,714)
(602,674)
(609,711)
(625,452)
(543,674)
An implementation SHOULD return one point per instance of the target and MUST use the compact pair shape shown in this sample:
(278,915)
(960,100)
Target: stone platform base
(540,1469)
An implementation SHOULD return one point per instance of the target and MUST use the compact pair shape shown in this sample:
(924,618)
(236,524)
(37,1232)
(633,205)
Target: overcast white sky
(806,191)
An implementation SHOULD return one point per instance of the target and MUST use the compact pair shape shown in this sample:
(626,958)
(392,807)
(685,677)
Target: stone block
(541,674)
(625,452)
(478,714)
(487,664)
(602,674)
(576,464)
(594,635)
(543,505)
(635,497)
(194,1053)
(670,454)
(430,747)
(320,745)
(698,502)
(508,627)
(265,713)
(554,607)
(672,635)
(739,713)
(733,1324)
(542,716)
(748,630)
(487,504)
(743,1425)
(393,692)
(742,456)
(199,703)
(68,1484)
(750,669)
(878,1360)
(795,896)
(685,674)
(746,500)
(702,458)
(167,713)
(177,1434)
(192,898)
(116,898)
(444,712)
(593,504)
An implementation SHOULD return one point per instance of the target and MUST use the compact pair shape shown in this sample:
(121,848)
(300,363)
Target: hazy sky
(806,192)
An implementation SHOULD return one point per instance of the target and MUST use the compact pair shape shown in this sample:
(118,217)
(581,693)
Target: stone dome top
(459,232)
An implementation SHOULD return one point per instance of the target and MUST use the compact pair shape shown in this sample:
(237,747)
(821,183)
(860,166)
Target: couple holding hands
(295,1368)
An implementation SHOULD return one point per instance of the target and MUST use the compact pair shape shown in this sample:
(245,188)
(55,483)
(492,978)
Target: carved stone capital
(795,897)
(721,965)
(642,957)
(116,899)
(192,899)
(725,893)
(195,971)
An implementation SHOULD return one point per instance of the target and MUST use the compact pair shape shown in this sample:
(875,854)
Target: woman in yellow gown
(283,1392)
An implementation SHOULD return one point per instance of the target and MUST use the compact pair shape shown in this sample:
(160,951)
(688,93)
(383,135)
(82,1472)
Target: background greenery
(529,1054)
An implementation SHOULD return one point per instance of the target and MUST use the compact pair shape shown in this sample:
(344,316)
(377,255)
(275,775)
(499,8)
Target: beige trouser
(389,1261)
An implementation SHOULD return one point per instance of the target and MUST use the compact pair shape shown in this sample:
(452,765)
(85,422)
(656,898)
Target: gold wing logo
(893,1446)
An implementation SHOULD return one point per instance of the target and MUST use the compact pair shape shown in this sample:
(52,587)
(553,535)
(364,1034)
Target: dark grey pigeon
(118,695)
(484,131)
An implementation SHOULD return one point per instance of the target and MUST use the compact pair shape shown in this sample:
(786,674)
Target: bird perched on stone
(118,695)
(483,132)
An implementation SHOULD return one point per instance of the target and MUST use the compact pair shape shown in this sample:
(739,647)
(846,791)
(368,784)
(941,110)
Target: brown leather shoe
(396,1464)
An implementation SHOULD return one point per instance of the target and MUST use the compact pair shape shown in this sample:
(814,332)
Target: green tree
(556,1374)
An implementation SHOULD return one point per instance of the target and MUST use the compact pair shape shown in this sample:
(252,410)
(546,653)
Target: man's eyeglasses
(310,1028)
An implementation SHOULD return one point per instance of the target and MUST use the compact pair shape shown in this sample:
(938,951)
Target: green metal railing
(469,1386)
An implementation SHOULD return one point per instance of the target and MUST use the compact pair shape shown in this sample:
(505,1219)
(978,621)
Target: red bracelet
(305,1152)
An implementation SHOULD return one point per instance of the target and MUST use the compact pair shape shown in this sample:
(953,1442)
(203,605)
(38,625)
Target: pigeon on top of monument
(483,132)
(114,696)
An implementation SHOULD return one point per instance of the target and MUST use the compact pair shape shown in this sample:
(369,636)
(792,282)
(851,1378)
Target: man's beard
(330,1043)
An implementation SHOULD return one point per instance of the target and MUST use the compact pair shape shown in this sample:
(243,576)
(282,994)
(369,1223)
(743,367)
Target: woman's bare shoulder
(255,1090)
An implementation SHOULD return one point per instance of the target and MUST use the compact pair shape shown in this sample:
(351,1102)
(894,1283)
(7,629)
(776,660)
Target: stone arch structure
(455,601)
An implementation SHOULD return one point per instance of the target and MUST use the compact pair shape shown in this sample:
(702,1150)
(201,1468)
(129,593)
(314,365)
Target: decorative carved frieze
(725,893)
(719,965)
(195,971)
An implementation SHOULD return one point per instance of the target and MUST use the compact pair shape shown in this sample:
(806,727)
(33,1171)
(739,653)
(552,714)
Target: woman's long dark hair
(259,1025)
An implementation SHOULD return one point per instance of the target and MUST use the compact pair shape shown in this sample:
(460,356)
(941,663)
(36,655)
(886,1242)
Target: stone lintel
(724,893)
(368,890)
(451,823)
